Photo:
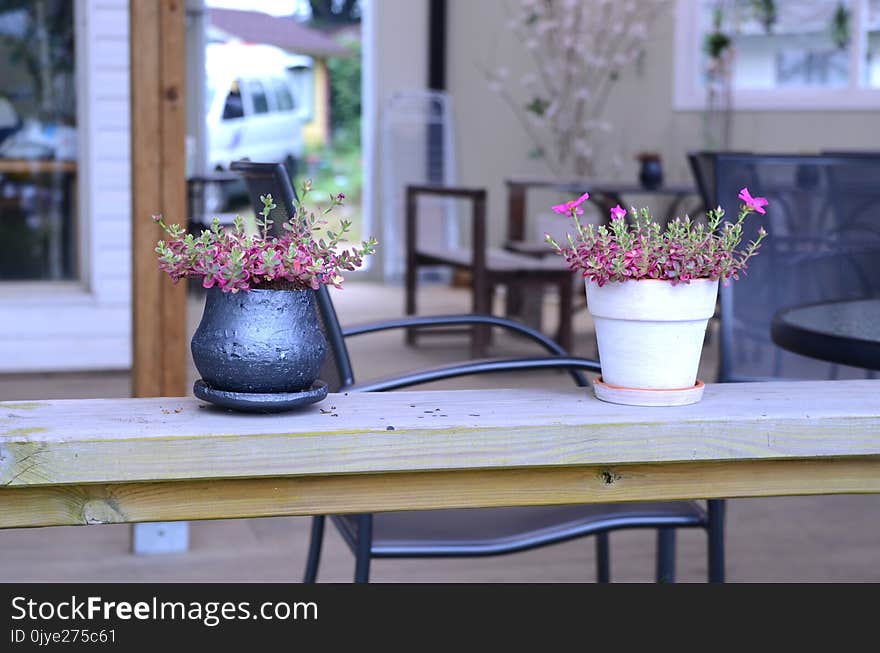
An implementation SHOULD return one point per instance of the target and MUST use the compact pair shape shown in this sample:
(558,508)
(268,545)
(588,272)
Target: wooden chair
(488,267)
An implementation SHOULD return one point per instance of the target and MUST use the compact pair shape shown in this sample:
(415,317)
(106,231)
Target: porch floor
(785,539)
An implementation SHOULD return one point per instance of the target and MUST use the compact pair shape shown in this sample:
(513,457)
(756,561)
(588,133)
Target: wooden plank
(336,494)
(157,169)
(146,188)
(175,351)
(35,166)
(126,440)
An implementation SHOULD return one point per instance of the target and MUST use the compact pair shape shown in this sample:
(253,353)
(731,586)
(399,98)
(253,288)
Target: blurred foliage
(345,96)
(338,167)
(44,48)
(333,170)
(333,13)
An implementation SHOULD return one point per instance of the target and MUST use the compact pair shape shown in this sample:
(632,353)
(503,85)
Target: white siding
(87,325)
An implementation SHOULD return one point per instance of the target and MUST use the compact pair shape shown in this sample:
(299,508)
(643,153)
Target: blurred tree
(345,95)
(335,13)
(38,36)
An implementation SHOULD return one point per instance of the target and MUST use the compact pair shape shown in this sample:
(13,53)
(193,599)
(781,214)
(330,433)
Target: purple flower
(754,203)
(573,207)
(681,252)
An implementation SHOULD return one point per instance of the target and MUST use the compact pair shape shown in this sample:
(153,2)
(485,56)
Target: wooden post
(158,126)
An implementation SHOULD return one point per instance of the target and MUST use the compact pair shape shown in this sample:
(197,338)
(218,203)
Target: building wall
(492,145)
(316,132)
(86,324)
(395,58)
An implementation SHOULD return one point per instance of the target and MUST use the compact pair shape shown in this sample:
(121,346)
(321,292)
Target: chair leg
(603,558)
(665,555)
(480,335)
(715,533)
(315,543)
(565,335)
(412,258)
(410,297)
(364,547)
(513,300)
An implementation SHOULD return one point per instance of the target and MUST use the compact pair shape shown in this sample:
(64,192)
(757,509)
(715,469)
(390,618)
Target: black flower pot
(260,341)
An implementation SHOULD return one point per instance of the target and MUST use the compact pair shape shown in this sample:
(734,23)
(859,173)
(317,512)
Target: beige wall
(395,58)
(316,132)
(493,146)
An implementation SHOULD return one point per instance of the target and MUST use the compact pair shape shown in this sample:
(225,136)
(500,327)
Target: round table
(844,332)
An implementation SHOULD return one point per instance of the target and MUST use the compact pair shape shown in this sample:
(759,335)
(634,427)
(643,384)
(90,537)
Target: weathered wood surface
(342,493)
(133,460)
(128,440)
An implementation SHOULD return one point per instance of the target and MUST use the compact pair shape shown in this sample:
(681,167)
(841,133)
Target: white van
(251,108)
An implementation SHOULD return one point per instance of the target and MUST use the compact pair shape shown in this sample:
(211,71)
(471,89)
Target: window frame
(689,95)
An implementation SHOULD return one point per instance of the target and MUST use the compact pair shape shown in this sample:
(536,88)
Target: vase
(259,341)
(651,173)
(651,332)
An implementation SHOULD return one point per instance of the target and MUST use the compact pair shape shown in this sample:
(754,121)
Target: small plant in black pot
(259,345)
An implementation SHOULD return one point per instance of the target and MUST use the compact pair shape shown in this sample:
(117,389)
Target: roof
(285,33)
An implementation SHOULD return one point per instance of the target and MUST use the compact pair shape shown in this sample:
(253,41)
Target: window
(283,99)
(303,83)
(38,142)
(258,97)
(779,54)
(233,107)
(871,70)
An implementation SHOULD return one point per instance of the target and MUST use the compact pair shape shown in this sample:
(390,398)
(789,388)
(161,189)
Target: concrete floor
(790,539)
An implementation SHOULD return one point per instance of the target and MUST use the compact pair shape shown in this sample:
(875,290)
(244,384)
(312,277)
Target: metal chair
(823,244)
(482,531)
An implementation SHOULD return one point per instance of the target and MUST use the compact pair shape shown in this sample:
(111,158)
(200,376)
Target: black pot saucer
(254,402)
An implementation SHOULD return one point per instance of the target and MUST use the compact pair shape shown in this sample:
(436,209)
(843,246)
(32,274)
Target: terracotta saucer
(648,397)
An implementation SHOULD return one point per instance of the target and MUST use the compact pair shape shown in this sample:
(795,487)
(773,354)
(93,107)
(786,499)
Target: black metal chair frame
(708,170)
(360,539)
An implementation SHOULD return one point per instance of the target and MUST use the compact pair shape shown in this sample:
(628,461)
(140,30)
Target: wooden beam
(336,494)
(130,440)
(158,184)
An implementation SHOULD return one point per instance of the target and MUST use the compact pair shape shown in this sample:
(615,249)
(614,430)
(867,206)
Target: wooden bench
(132,460)
(489,267)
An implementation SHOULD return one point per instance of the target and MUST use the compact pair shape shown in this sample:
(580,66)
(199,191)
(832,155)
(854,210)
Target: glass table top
(858,320)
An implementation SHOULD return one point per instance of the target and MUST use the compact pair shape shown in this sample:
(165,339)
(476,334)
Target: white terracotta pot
(650,332)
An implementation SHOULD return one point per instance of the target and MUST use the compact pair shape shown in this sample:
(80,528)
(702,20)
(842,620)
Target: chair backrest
(823,223)
(702,164)
(272,179)
(703,169)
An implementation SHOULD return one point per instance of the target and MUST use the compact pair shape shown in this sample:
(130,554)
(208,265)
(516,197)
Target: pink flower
(617,212)
(573,207)
(754,203)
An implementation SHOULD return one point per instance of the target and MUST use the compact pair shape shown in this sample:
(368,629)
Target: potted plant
(651,291)
(260,345)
